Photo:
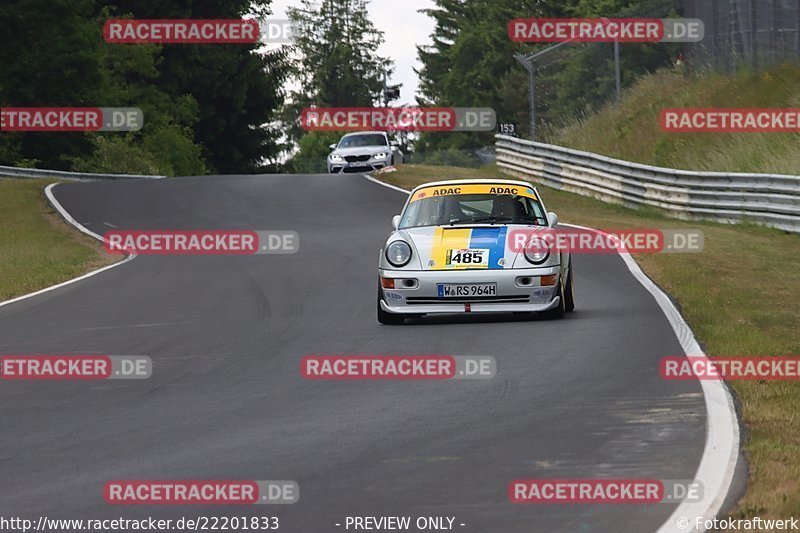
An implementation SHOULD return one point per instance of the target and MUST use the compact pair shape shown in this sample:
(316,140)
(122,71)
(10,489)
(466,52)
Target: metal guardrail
(769,199)
(16,172)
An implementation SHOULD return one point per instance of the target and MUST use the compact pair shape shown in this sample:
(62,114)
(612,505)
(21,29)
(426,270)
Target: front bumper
(512,295)
(344,167)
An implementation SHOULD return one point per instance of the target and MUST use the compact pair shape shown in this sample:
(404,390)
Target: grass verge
(632,130)
(740,296)
(37,248)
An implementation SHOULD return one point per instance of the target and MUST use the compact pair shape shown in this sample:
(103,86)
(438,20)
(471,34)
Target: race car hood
(435,246)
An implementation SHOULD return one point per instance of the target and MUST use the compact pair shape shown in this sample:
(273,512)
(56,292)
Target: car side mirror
(394,143)
(396,221)
(552,219)
(332,146)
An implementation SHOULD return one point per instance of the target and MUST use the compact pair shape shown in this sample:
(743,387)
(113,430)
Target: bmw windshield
(361,141)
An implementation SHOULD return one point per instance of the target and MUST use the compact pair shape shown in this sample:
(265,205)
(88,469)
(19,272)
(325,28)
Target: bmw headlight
(398,253)
(336,158)
(379,155)
(537,254)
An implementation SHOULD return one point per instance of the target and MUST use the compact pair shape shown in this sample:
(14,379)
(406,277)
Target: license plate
(462,290)
(467,258)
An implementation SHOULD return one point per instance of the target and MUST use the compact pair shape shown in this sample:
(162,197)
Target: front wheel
(390,319)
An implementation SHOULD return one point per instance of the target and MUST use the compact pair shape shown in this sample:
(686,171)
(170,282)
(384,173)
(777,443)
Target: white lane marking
(49,193)
(110,225)
(721,452)
(126,326)
(395,187)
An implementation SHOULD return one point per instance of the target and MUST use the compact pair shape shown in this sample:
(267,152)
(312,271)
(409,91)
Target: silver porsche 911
(455,249)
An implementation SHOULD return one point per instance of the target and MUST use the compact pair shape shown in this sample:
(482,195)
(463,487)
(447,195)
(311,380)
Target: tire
(569,292)
(391,161)
(389,319)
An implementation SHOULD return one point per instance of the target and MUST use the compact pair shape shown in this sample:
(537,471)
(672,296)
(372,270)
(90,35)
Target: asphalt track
(575,398)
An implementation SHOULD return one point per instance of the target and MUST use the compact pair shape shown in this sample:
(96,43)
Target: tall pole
(617,74)
(529,66)
(384,94)
(532,99)
(752,16)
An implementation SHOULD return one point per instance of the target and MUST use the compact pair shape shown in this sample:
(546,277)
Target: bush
(314,147)
(118,155)
(165,150)
(172,145)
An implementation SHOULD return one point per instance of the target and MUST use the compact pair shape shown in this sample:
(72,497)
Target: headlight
(379,155)
(398,253)
(336,158)
(537,255)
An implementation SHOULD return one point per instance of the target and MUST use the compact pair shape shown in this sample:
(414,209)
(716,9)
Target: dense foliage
(337,65)
(471,63)
(204,105)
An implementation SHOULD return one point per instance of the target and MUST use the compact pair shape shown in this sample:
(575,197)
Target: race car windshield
(473,209)
(360,141)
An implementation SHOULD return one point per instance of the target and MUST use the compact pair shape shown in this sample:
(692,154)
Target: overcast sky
(403,28)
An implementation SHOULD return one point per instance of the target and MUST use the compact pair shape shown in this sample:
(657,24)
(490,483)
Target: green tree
(238,88)
(49,57)
(53,54)
(337,65)
(313,148)
(130,78)
(338,61)
(471,60)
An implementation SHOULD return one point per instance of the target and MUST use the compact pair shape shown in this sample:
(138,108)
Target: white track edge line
(379,182)
(83,229)
(721,451)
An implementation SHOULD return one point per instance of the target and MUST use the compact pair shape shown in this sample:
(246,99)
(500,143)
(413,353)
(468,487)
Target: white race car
(363,151)
(451,251)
